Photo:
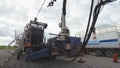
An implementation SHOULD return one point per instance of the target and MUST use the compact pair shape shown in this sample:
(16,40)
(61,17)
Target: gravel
(91,62)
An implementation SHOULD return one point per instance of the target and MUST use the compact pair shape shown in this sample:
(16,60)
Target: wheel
(98,52)
(109,53)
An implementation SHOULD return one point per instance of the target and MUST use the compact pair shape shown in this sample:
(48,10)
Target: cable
(40,8)
(96,12)
(89,21)
(91,9)
(51,3)
(95,16)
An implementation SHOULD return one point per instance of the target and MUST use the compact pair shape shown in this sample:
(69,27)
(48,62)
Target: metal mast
(64,33)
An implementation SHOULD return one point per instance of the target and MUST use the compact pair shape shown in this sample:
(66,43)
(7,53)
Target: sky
(15,14)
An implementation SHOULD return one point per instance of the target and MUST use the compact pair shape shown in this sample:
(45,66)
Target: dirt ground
(91,62)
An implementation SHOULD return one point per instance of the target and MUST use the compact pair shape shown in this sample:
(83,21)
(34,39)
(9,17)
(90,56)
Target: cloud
(5,40)
(110,14)
(16,13)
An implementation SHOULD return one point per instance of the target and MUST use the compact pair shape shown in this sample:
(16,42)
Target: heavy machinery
(63,44)
(32,41)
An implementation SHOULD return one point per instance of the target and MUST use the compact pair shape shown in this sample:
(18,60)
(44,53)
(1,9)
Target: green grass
(2,47)
(6,47)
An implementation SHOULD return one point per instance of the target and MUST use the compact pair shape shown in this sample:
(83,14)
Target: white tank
(107,36)
(105,40)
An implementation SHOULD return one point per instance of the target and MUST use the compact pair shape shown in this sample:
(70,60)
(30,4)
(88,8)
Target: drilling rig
(35,47)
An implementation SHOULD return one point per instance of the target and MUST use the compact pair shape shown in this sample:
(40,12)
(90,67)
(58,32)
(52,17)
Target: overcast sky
(14,14)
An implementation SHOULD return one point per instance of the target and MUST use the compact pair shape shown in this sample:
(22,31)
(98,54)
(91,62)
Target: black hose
(91,9)
(88,34)
(64,7)
(89,20)
(95,16)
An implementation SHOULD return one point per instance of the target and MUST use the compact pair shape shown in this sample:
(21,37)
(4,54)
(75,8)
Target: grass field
(3,47)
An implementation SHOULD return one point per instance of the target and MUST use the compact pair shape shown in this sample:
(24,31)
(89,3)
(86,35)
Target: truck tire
(98,52)
(87,51)
(109,53)
(119,55)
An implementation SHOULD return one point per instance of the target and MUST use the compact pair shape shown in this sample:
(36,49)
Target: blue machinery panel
(46,52)
(39,54)
(75,41)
